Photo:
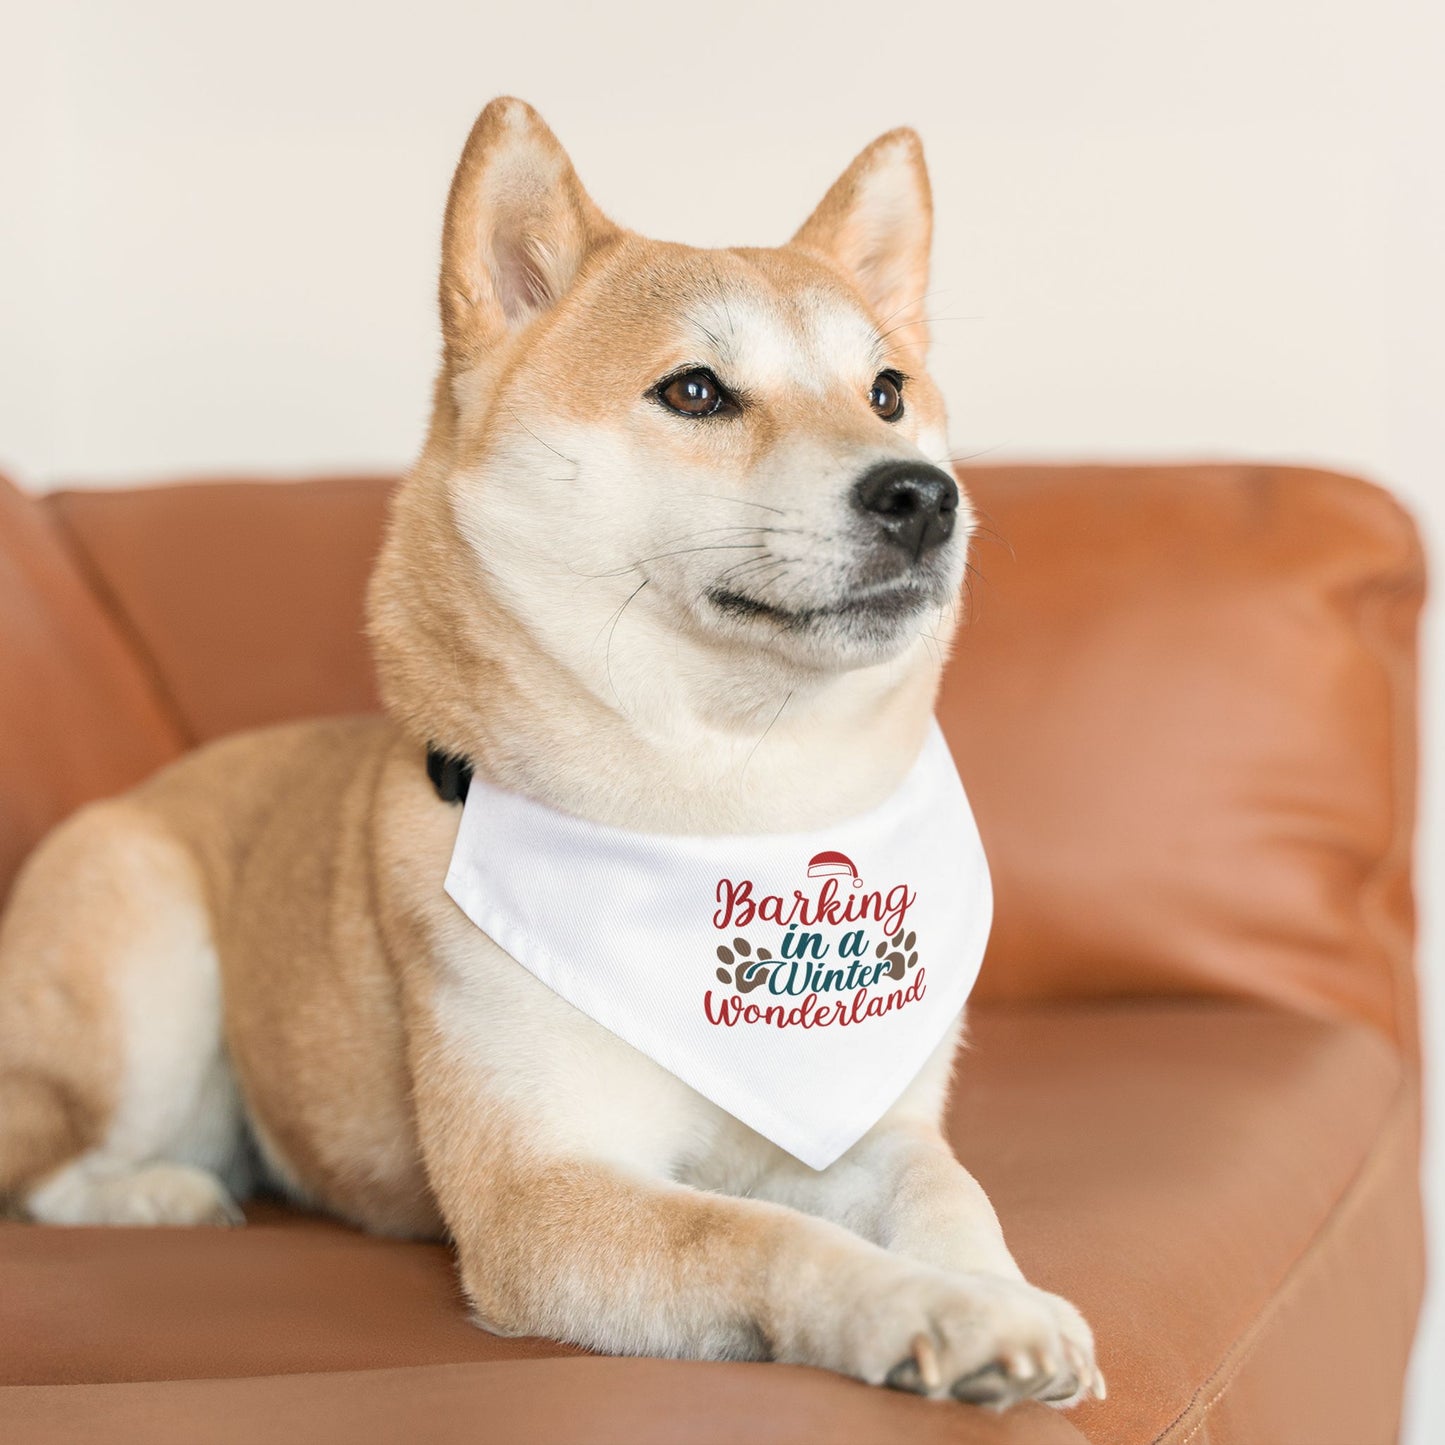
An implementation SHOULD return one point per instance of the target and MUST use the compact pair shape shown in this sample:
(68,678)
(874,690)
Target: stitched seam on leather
(1241,1360)
(124,623)
(1241,1351)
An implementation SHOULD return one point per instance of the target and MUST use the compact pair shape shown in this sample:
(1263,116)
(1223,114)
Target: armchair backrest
(1183,703)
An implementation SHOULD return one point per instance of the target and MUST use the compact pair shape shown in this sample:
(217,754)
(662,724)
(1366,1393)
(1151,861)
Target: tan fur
(255,944)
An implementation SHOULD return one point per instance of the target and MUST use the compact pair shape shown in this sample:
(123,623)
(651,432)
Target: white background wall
(1164,229)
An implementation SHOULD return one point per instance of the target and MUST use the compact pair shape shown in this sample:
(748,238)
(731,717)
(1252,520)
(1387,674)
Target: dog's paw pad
(988,1386)
(904,1376)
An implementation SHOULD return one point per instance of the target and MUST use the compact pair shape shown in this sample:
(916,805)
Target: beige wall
(1164,228)
(1161,227)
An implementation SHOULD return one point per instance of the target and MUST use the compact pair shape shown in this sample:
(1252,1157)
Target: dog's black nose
(915,504)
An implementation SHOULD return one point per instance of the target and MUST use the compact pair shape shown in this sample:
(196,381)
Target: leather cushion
(1175,1169)
(247,597)
(1184,709)
(79,717)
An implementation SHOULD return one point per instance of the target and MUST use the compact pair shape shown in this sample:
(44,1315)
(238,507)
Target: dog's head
(735,453)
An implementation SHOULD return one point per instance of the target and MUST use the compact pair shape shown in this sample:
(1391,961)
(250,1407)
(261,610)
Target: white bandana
(797,980)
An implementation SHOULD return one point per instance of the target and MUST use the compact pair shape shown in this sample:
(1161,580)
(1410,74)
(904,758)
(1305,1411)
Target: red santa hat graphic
(826,865)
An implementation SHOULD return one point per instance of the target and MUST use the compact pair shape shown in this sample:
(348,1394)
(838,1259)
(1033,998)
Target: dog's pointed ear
(518,228)
(877,223)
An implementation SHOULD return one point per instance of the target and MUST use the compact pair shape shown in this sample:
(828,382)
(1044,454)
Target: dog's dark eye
(694,393)
(886,397)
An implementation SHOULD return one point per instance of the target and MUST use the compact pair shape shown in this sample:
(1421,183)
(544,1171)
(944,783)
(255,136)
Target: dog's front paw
(981,1338)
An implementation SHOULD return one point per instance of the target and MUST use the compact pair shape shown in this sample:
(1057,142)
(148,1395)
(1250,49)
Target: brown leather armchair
(1184,707)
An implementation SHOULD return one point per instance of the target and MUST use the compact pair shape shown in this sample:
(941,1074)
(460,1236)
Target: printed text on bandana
(834,953)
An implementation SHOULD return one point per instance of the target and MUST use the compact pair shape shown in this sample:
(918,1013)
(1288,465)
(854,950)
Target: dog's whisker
(805,581)
(571,461)
(690,551)
(765,578)
(763,737)
(659,556)
(915,321)
(742,502)
(916,301)
(961,457)
(745,529)
(930,640)
(991,530)
(761,580)
(617,618)
(737,568)
(881,349)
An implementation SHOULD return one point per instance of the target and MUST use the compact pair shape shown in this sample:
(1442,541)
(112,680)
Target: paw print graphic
(740,968)
(903,955)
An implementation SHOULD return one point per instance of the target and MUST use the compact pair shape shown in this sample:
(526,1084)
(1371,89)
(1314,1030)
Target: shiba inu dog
(677,556)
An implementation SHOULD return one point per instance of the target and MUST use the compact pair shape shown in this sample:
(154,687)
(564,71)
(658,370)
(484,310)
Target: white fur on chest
(582,1090)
